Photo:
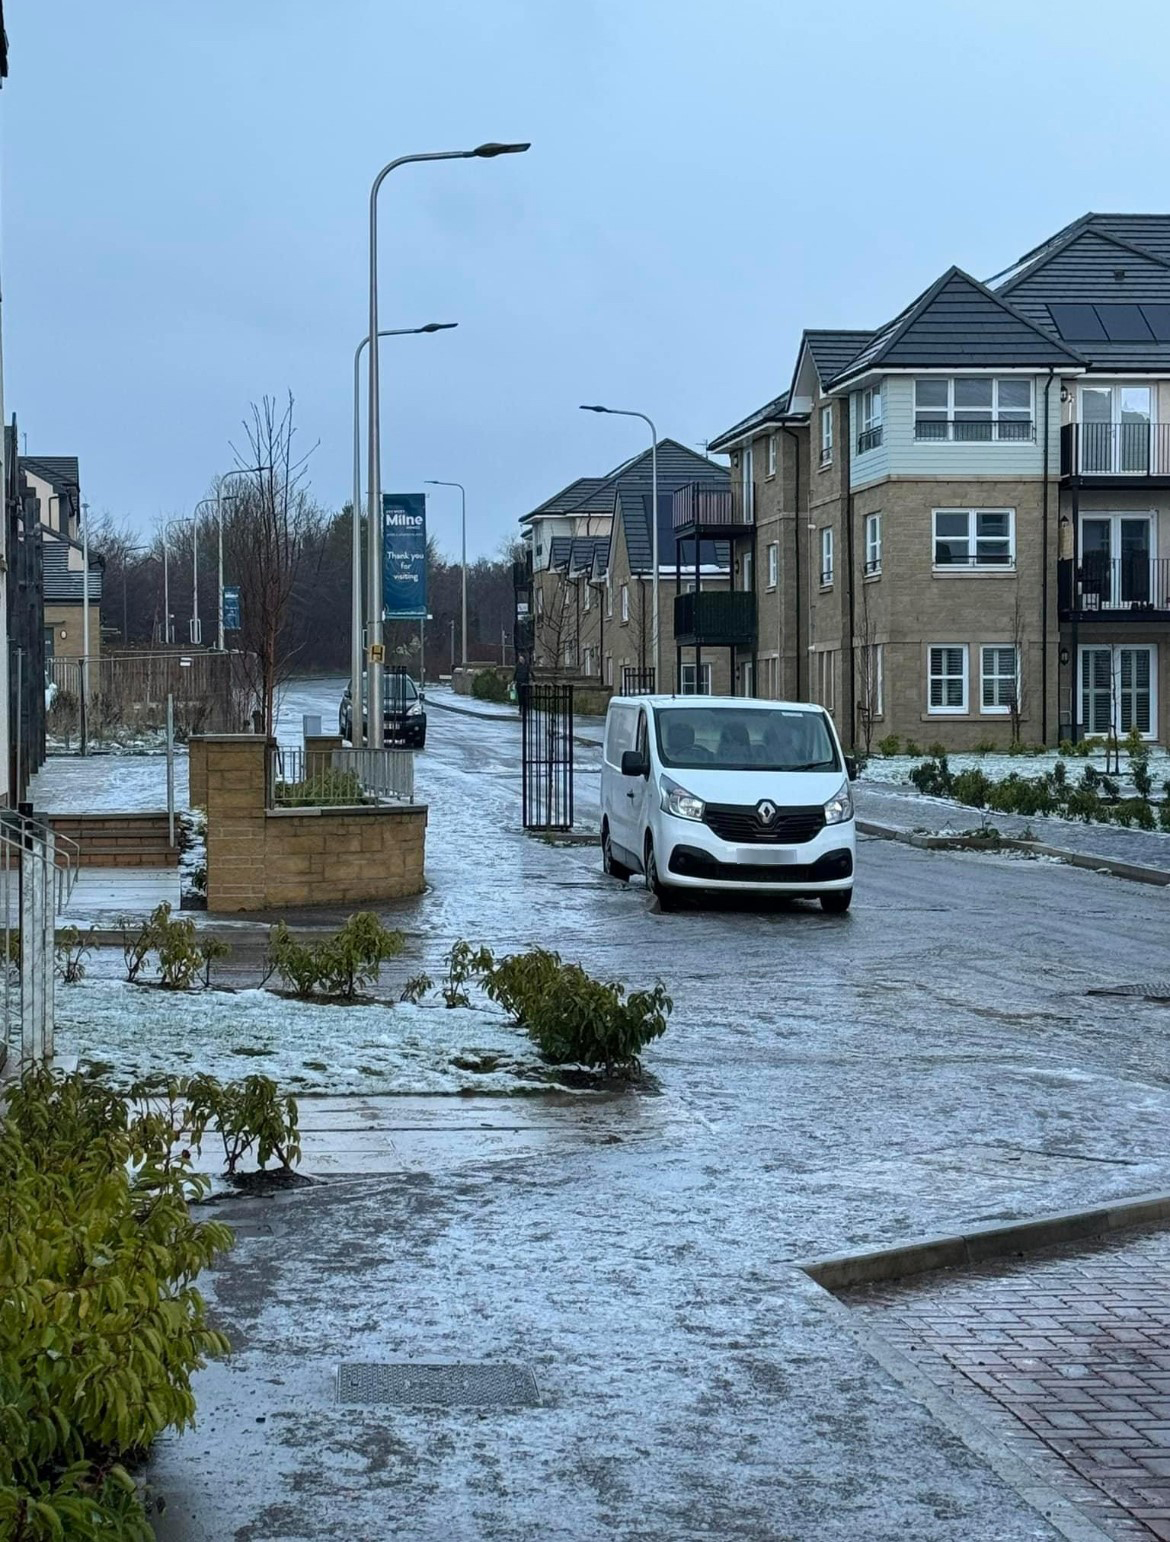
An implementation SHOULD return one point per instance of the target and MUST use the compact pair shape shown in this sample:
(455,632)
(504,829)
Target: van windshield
(745,739)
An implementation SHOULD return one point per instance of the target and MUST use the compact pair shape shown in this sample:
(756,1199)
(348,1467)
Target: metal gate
(546,736)
(637,682)
(37,873)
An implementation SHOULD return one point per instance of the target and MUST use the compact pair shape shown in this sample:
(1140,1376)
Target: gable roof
(770,412)
(60,472)
(959,321)
(831,351)
(63,585)
(1089,266)
(576,497)
(1149,233)
(677,465)
(578,554)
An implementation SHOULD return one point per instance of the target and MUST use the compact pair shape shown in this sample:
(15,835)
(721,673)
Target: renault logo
(765,812)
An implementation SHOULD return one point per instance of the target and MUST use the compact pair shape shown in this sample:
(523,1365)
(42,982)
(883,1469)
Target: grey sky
(185,192)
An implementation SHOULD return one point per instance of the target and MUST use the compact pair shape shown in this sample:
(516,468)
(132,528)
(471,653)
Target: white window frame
(608,597)
(996,415)
(997,709)
(688,674)
(747,489)
(625,599)
(773,564)
(972,539)
(747,571)
(869,416)
(948,711)
(873,544)
(826,436)
(826,556)
(878,665)
(771,455)
(588,597)
(827,678)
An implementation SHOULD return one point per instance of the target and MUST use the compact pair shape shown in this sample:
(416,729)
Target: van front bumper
(701,860)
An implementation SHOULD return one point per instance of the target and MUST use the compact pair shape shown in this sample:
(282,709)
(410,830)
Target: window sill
(769,588)
(871,578)
(959,572)
(826,588)
(825,465)
(952,714)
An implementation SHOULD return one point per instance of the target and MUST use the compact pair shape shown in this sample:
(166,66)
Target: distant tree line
(277,539)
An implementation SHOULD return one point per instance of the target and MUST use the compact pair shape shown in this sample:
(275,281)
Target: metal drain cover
(1157,990)
(411,1384)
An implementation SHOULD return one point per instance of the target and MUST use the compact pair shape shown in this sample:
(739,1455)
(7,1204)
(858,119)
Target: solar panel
(1158,318)
(1124,324)
(1077,323)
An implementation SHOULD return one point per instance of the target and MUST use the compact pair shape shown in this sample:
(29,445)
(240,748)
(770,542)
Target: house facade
(957,526)
(590,561)
(53,482)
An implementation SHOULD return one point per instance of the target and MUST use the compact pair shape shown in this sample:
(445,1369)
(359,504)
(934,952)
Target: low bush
(247,1114)
(326,788)
(573,1018)
(72,950)
(101,1326)
(340,964)
(912,748)
(985,747)
(972,788)
(490,685)
(182,956)
(933,778)
(889,746)
(1096,797)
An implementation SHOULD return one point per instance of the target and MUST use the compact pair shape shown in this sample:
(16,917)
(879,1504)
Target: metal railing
(637,682)
(869,439)
(37,872)
(339,778)
(718,617)
(1139,585)
(1115,449)
(979,431)
(711,503)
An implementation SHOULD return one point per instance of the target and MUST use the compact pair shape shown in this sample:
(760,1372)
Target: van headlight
(839,808)
(678,801)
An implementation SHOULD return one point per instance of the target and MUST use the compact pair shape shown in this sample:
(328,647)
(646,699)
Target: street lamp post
(619,412)
(355,623)
(374,481)
(434,482)
(85,629)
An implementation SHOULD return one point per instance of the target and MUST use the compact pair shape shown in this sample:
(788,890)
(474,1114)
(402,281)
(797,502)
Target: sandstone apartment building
(957,526)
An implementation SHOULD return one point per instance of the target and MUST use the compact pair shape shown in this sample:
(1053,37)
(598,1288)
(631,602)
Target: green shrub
(1164,817)
(1067,747)
(912,748)
(326,788)
(1135,811)
(971,787)
(1084,802)
(889,746)
(985,747)
(1060,774)
(340,964)
(937,751)
(101,1326)
(573,1018)
(181,953)
(490,685)
(464,964)
(933,777)
(247,1113)
(72,950)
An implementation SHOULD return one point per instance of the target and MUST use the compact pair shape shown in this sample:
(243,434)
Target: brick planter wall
(268,859)
(197,772)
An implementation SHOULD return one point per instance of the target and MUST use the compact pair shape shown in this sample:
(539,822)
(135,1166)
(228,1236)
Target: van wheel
(609,865)
(837,901)
(654,884)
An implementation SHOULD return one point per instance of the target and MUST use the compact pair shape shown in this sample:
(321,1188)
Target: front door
(1117,553)
(1119,689)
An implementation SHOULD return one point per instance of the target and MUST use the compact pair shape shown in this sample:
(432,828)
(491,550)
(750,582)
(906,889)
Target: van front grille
(742,823)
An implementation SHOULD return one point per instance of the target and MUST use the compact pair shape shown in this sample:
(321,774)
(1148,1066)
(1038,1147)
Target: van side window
(619,734)
(642,746)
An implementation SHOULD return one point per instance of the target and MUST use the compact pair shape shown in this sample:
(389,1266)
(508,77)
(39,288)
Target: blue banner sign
(404,556)
(231,609)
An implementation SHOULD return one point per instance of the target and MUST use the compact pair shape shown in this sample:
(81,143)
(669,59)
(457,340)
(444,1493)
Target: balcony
(1113,454)
(716,509)
(869,439)
(1114,589)
(715,618)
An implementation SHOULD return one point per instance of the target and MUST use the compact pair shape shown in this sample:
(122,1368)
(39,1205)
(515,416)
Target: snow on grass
(897,768)
(135,1030)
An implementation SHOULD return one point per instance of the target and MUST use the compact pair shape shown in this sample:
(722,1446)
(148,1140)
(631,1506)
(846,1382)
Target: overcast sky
(185,193)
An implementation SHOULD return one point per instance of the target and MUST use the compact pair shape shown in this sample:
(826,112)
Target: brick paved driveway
(1069,1349)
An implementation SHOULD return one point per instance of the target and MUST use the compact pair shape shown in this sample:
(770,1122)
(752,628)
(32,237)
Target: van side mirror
(851,767)
(635,764)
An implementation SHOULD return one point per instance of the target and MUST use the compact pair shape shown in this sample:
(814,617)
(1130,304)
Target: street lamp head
(438,326)
(584,408)
(489,151)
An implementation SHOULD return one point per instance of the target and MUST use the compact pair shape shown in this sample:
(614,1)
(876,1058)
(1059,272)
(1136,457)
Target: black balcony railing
(976,431)
(1125,450)
(712,505)
(718,618)
(1115,586)
(869,439)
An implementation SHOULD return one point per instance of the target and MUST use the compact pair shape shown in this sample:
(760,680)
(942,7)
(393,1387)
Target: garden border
(1133,871)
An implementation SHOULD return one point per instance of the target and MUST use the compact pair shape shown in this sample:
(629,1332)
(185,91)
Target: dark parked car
(404,715)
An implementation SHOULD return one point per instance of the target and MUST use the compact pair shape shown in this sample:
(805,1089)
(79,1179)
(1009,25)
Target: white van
(723,792)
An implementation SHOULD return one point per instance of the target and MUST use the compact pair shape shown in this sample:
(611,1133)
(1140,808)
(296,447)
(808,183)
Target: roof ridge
(1046,254)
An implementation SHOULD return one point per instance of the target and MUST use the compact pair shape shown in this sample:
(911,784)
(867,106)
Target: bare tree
(1018,703)
(270,531)
(869,681)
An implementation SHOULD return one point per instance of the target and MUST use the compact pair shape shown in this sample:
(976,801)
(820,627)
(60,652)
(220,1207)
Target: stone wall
(268,859)
(197,772)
